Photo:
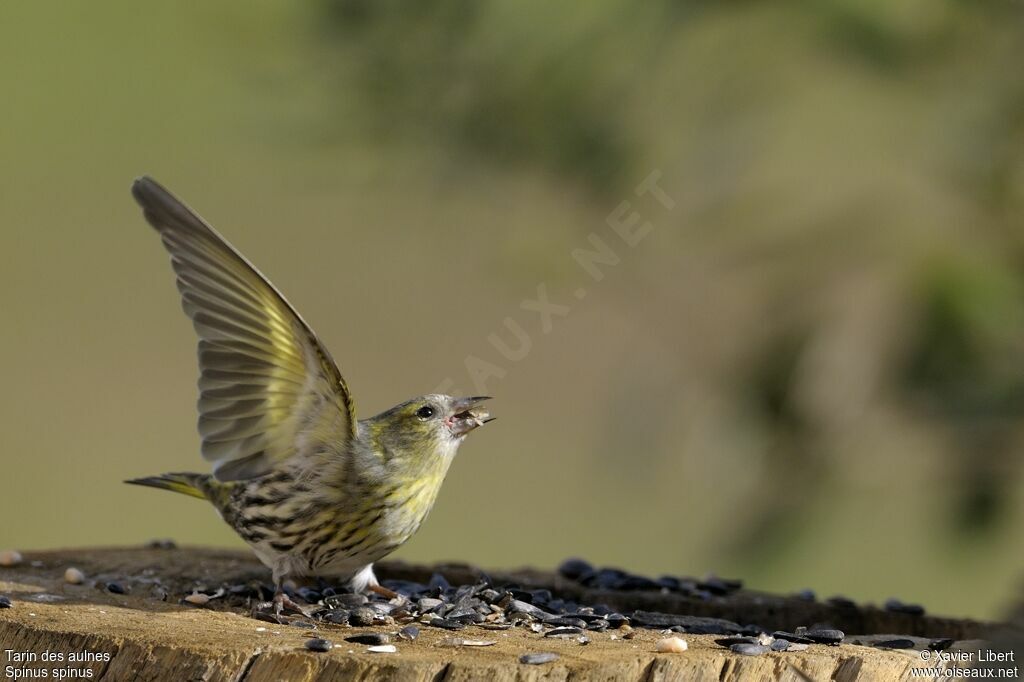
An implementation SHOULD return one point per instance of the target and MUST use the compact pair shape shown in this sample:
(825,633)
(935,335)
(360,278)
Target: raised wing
(269,391)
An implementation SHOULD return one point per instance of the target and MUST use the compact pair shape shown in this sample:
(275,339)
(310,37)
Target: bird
(311,489)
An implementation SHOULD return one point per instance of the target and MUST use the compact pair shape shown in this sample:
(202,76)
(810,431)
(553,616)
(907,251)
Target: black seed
(566,622)
(269,617)
(163,543)
(564,632)
(584,614)
(344,601)
(899,643)
(308,595)
(361,616)
(607,578)
(715,586)
(799,639)
(319,645)
(842,602)
(5,602)
(729,641)
(462,612)
(616,620)
(574,568)
(446,624)
(636,582)
(371,638)
(670,583)
(896,606)
(540,597)
(940,644)
(490,595)
(780,645)
(517,606)
(428,604)
(116,588)
(823,636)
(336,617)
(538,659)
(409,632)
(694,624)
(438,582)
(748,649)
(467,618)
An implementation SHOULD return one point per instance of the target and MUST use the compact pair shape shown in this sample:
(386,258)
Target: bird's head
(429,427)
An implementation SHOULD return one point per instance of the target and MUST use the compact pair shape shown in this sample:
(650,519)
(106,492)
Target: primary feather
(269,391)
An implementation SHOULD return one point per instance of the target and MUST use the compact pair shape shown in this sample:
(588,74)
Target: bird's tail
(184,483)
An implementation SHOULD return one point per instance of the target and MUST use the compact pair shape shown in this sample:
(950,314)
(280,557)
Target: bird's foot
(275,610)
(282,601)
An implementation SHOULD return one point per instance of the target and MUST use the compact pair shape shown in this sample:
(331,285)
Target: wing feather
(269,392)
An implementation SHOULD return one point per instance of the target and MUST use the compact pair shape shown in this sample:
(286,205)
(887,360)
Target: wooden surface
(139,636)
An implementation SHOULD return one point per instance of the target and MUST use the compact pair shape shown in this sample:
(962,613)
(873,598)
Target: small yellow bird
(310,488)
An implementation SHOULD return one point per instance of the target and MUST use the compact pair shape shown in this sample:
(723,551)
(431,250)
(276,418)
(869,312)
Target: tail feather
(184,483)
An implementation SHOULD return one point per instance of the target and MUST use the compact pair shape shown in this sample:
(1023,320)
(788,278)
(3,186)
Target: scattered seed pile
(470,612)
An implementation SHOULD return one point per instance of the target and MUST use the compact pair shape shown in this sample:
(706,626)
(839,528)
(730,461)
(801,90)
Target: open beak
(467,415)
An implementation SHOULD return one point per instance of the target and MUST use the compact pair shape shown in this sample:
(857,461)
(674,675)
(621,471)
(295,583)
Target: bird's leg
(383,591)
(364,579)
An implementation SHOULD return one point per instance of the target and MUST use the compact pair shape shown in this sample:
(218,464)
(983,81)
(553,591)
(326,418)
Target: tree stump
(91,631)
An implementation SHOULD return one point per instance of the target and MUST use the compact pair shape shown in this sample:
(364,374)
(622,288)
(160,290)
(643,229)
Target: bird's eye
(425,412)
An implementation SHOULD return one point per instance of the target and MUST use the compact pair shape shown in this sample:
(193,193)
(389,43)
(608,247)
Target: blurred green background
(808,374)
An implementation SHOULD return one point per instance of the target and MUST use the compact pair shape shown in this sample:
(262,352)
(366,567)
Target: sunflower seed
(409,633)
(748,649)
(842,602)
(344,601)
(362,616)
(564,632)
(336,617)
(318,644)
(5,602)
(825,636)
(729,641)
(898,643)
(538,659)
(896,606)
(382,649)
(369,638)
(446,624)
(574,568)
